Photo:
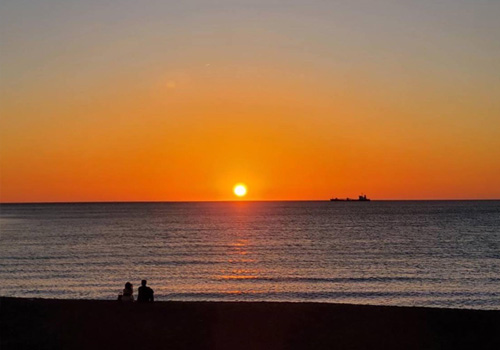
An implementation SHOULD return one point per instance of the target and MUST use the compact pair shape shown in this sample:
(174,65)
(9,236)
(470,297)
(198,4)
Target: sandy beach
(94,324)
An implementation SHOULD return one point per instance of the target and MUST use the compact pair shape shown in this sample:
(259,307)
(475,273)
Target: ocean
(406,253)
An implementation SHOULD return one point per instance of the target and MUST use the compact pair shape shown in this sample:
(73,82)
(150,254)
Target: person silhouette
(128,293)
(146,294)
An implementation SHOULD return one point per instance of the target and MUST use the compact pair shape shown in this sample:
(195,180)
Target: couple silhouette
(146,294)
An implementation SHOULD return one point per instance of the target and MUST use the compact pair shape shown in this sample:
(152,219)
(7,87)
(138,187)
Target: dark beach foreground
(93,324)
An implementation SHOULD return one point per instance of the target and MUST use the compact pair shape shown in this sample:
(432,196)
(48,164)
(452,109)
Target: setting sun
(240,190)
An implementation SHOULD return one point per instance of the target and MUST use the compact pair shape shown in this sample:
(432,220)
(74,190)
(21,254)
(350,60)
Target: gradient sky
(180,100)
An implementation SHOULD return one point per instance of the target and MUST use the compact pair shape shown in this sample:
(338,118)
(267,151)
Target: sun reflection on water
(241,271)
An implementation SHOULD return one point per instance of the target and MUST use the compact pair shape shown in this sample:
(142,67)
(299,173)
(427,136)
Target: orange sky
(288,103)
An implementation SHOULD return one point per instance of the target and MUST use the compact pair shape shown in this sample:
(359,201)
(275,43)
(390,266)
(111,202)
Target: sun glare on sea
(240,190)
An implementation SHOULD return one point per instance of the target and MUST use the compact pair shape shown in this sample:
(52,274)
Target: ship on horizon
(361,198)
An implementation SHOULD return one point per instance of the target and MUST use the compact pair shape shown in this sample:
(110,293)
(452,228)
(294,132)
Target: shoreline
(87,324)
(165,299)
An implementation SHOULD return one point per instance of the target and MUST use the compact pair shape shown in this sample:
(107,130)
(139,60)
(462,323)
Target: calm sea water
(425,253)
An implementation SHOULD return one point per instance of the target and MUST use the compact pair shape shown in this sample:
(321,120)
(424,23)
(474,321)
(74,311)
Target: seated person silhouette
(146,294)
(128,293)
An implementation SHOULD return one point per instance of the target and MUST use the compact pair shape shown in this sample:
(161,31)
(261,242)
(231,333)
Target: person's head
(143,283)
(128,285)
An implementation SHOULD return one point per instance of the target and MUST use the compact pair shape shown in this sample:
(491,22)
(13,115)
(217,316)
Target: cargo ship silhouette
(361,198)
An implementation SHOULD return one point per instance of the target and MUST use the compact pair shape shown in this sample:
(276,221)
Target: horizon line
(243,200)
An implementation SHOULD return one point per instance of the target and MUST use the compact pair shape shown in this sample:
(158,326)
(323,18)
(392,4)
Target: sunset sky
(181,100)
